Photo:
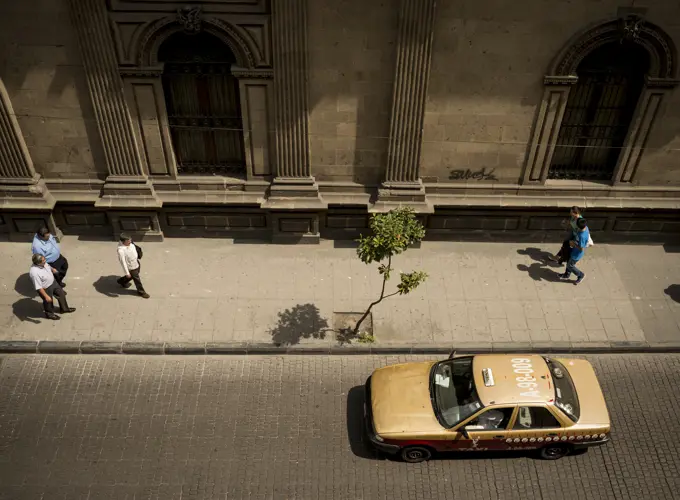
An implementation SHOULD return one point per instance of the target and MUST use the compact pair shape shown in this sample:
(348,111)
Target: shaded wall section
(41,66)
(487,80)
(351,70)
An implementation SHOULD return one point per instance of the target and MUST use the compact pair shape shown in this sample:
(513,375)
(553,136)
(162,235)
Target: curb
(241,348)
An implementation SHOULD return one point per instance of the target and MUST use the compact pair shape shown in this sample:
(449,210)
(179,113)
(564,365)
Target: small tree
(393,232)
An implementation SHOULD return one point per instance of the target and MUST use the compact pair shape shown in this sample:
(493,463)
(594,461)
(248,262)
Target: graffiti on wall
(477,175)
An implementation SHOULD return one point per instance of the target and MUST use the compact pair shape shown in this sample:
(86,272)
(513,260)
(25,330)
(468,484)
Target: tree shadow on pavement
(301,322)
(108,285)
(538,255)
(673,292)
(358,441)
(537,272)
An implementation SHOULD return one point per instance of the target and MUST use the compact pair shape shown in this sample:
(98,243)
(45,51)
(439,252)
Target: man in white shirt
(44,282)
(129,260)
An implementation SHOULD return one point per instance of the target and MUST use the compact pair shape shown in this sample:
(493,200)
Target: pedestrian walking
(45,244)
(578,246)
(129,255)
(565,252)
(44,280)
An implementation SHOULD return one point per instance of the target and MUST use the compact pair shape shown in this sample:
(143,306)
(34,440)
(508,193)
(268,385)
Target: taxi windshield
(452,390)
(565,392)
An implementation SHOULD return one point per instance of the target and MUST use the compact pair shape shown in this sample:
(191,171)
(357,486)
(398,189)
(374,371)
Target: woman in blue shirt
(46,245)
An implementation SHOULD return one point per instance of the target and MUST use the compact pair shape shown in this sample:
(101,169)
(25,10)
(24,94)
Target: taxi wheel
(415,454)
(554,451)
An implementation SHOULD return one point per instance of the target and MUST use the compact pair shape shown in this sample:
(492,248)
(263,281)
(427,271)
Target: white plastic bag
(590,241)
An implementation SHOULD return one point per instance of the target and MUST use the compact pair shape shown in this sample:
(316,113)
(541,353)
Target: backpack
(139,250)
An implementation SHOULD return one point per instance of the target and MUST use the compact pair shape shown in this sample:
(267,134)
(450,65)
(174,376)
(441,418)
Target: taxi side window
(535,417)
(495,418)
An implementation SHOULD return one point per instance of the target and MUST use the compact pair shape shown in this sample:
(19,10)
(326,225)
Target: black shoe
(580,279)
(144,295)
(69,310)
(62,284)
(563,276)
(125,285)
(52,316)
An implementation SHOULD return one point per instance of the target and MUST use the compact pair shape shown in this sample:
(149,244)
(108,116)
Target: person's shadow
(673,292)
(539,256)
(108,285)
(27,309)
(538,272)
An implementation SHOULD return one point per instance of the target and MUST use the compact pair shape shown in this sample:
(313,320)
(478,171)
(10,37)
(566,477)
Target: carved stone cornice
(140,72)
(255,74)
(661,83)
(560,80)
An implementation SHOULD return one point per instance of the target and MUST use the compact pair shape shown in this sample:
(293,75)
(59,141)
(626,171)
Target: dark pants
(55,291)
(565,252)
(61,265)
(134,273)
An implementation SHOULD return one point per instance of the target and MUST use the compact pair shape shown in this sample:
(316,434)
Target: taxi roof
(505,369)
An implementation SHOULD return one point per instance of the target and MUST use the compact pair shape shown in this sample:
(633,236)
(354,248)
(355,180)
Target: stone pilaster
(402,184)
(294,188)
(127,190)
(25,201)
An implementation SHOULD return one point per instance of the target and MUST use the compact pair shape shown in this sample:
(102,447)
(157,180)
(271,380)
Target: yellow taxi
(486,402)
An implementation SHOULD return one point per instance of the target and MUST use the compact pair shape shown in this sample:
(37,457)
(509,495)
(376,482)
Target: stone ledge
(241,348)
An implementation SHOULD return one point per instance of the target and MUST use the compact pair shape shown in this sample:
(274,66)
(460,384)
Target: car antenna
(452,353)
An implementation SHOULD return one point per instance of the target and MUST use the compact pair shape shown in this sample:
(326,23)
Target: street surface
(122,427)
(213,290)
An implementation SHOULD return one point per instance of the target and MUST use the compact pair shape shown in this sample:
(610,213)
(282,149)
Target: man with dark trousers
(43,279)
(46,245)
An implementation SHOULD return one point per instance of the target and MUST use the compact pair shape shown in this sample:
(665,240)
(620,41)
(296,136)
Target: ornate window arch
(643,39)
(248,82)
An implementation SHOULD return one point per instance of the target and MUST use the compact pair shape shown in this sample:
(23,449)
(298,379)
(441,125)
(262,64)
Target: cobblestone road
(290,428)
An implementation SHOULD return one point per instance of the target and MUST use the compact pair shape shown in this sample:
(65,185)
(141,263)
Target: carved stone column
(293,188)
(402,184)
(25,201)
(127,195)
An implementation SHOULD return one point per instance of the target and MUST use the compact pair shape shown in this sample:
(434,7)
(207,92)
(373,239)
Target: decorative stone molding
(22,190)
(402,182)
(562,76)
(253,74)
(293,189)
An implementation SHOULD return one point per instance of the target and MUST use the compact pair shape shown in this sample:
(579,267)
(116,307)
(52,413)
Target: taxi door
(484,431)
(534,426)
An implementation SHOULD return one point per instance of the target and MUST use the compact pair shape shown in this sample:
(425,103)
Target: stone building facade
(293,120)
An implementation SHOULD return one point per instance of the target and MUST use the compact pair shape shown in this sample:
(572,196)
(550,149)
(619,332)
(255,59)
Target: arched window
(599,112)
(204,110)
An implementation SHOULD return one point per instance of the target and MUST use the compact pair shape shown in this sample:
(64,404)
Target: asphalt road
(116,427)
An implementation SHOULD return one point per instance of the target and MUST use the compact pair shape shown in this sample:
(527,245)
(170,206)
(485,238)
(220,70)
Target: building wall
(488,63)
(41,68)
(351,70)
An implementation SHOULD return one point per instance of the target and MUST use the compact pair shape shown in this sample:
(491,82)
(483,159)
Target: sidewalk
(478,294)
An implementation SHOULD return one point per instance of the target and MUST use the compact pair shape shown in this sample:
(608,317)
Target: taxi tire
(554,451)
(415,454)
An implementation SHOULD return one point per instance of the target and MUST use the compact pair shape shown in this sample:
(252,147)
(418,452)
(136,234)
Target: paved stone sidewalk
(212,290)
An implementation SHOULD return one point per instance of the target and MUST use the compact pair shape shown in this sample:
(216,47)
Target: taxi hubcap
(415,454)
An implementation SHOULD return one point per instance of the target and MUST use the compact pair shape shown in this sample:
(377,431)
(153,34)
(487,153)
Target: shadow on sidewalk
(24,286)
(538,255)
(301,322)
(673,292)
(108,285)
(537,272)
(358,441)
(28,309)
